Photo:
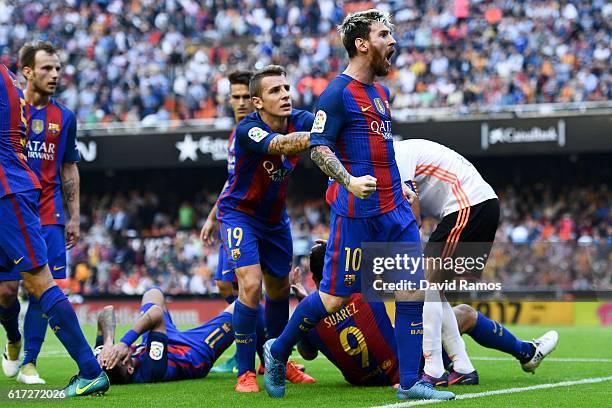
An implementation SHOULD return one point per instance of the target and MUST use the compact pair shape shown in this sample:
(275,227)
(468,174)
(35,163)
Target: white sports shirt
(446,181)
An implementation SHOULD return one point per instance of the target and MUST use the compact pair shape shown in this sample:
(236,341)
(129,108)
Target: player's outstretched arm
(152,320)
(289,144)
(361,187)
(70,185)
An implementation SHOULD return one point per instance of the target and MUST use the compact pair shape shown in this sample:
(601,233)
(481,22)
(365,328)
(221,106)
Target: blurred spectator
(546,227)
(150,61)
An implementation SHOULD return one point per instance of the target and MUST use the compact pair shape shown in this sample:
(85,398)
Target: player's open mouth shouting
(389,55)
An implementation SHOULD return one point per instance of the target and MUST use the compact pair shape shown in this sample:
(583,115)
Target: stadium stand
(142,60)
(135,240)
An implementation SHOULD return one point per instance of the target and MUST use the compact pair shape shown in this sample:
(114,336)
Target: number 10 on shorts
(353,259)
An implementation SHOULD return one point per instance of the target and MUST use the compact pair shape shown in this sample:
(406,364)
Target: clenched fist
(362,187)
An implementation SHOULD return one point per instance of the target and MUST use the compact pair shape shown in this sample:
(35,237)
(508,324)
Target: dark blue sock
(34,330)
(245,322)
(9,317)
(261,332)
(230,299)
(306,316)
(489,333)
(409,337)
(277,316)
(64,323)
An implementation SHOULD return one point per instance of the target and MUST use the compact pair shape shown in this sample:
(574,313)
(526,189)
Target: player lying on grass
(165,353)
(359,339)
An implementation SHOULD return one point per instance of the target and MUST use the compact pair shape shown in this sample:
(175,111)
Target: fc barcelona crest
(236,254)
(380,106)
(349,279)
(38,126)
(54,128)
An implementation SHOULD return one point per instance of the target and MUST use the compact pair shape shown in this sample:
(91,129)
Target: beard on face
(379,63)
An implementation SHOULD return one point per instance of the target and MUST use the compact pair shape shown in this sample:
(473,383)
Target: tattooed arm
(106,328)
(361,187)
(289,144)
(70,185)
(106,324)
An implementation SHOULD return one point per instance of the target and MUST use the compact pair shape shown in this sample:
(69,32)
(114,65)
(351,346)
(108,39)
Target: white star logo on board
(188,148)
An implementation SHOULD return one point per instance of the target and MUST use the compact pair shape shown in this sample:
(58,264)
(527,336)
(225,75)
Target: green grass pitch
(576,343)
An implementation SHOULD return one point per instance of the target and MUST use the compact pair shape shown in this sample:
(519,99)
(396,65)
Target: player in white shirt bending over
(450,189)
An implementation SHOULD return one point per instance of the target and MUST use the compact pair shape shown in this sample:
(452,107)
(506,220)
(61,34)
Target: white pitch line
(553,359)
(502,391)
(62,353)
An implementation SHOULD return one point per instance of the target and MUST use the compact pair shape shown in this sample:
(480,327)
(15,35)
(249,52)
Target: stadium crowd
(134,240)
(133,60)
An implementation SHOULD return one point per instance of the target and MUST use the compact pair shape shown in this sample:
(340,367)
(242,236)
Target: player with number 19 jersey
(254,223)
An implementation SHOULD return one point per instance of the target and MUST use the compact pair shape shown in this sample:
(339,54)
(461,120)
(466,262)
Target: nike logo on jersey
(365,108)
(58,268)
(413,324)
(17,261)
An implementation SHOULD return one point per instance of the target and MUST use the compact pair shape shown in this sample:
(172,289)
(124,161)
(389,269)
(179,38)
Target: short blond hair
(357,25)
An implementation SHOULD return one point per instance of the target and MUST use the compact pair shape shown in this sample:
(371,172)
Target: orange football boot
(247,382)
(296,376)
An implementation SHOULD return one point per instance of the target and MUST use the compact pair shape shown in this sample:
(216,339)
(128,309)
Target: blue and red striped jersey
(258,185)
(360,341)
(184,362)
(190,353)
(354,120)
(15,174)
(51,142)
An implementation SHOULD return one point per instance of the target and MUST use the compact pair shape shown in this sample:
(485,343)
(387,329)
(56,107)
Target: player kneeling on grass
(359,338)
(165,353)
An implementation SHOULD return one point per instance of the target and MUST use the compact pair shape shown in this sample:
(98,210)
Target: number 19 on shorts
(234,237)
